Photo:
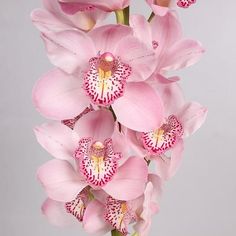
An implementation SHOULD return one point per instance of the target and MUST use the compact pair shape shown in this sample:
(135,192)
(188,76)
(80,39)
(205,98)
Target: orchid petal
(94,222)
(182,54)
(70,50)
(137,55)
(142,29)
(106,38)
(98,125)
(59,96)
(60,180)
(57,139)
(167,167)
(192,116)
(56,214)
(129,181)
(143,106)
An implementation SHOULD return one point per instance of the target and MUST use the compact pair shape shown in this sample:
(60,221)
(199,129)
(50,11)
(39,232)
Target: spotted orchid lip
(105,81)
(77,206)
(97,160)
(119,214)
(185,3)
(162,139)
(71,122)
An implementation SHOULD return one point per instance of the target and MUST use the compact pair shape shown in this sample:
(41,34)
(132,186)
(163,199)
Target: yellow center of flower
(159,134)
(97,156)
(106,64)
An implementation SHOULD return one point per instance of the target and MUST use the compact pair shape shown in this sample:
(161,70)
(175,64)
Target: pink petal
(167,168)
(59,96)
(47,22)
(144,224)
(129,181)
(120,144)
(57,139)
(140,108)
(105,5)
(69,50)
(98,125)
(137,55)
(142,29)
(169,32)
(183,54)
(157,187)
(99,195)
(60,180)
(135,143)
(87,19)
(106,38)
(56,214)
(160,10)
(171,94)
(94,222)
(192,116)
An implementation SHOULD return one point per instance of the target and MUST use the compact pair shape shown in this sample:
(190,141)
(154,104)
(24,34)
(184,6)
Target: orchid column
(113,110)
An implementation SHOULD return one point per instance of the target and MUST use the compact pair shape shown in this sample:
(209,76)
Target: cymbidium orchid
(56,17)
(182,119)
(100,213)
(172,51)
(162,7)
(107,67)
(114,111)
(93,153)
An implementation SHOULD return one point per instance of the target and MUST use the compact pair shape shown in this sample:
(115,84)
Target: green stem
(115,233)
(151,16)
(122,16)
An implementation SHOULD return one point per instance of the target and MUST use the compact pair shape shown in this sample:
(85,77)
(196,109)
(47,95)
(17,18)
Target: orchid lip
(105,81)
(162,139)
(77,206)
(97,160)
(119,214)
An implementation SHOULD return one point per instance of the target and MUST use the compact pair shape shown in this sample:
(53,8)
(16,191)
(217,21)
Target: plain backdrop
(200,200)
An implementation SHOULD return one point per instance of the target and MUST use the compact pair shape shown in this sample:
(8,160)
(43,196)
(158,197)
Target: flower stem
(115,233)
(122,16)
(151,16)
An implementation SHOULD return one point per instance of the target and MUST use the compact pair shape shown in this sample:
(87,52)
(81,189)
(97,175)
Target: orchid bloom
(120,214)
(106,67)
(172,51)
(181,120)
(100,213)
(105,5)
(92,154)
(162,7)
(56,17)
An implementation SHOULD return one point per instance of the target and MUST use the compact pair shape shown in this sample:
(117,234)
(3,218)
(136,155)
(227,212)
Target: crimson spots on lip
(162,139)
(185,3)
(105,81)
(97,160)
(119,214)
(77,206)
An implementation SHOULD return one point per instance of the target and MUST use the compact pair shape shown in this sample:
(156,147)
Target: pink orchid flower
(105,5)
(164,35)
(70,214)
(185,3)
(162,7)
(181,120)
(104,213)
(106,67)
(120,214)
(56,17)
(92,154)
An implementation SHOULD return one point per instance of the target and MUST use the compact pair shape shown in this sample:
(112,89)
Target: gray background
(200,200)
